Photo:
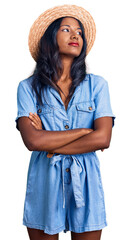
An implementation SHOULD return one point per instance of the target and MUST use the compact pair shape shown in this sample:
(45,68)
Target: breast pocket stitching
(86,107)
(45,109)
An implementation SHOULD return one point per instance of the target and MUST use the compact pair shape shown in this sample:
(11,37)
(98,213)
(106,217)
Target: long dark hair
(49,66)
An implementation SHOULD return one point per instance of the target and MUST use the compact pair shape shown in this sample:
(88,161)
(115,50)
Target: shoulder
(95,79)
(25,87)
(26,83)
(96,82)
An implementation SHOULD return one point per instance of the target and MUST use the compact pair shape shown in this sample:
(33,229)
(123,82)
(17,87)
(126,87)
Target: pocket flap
(86,106)
(44,109)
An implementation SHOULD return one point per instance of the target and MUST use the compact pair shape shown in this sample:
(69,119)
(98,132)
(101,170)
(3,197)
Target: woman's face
(69,32)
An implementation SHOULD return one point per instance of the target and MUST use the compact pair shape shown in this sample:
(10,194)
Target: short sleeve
(25,101)
(102,103)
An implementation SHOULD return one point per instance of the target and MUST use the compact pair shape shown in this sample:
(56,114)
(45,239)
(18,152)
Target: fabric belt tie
(75,170)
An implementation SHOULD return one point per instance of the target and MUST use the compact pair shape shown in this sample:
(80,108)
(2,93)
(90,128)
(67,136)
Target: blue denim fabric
(65,192)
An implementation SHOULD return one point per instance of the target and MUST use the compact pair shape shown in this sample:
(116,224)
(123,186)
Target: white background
(110,57)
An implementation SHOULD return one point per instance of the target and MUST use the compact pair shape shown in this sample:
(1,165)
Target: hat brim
(46,18)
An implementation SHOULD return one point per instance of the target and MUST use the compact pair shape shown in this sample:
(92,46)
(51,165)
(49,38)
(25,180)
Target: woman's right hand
(88,130)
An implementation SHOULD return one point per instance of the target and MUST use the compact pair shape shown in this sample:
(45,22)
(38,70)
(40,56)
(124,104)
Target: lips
(74,44)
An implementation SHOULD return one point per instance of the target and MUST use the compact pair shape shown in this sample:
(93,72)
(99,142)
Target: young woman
(64,117)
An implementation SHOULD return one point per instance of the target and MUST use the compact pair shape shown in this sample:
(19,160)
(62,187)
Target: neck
(66,62)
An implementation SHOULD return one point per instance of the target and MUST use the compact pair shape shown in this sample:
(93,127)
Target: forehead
(70,21)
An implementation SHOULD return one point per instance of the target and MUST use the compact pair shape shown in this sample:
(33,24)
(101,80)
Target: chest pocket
(85,114)
(45,110)
(86,106)
(46,114)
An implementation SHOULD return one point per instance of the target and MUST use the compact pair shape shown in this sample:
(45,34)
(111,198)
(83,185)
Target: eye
(65,29)
(80,33)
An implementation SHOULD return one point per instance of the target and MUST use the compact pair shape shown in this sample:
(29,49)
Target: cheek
(58,38)
(59,41)
(62,43)
(81,43)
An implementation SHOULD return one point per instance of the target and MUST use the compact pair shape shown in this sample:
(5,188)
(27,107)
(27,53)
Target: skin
(68,32)
(36,122)
(72,141)
(36,234)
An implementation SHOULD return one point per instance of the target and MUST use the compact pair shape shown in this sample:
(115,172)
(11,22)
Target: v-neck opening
(57,95)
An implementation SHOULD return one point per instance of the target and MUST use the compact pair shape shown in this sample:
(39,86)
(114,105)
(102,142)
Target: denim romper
(65,192)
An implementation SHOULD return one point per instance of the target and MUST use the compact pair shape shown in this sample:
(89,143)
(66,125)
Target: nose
(74,35)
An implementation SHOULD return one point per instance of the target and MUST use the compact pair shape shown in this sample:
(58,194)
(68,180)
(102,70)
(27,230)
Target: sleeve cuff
(21,114)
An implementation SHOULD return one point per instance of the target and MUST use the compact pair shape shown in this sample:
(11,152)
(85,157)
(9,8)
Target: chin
(73,54)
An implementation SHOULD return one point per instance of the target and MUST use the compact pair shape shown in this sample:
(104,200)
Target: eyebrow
(69,26)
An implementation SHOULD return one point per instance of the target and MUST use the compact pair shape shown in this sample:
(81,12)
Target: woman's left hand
(35,120)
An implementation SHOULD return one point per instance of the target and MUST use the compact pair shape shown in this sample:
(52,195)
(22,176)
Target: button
(39,110)
(90,108)
(66,126)
(67,169)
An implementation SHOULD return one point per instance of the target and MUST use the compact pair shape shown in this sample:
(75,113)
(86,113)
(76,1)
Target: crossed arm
(74,141)
(98,139)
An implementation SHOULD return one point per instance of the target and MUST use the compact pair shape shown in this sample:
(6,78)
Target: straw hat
(46,18)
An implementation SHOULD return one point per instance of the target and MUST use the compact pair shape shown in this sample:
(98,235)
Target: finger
(30,117)
(38,118)
(31,114)
(33,118)
(36,127)
(38,121)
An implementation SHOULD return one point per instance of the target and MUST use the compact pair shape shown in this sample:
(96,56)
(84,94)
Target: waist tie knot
(75,170)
